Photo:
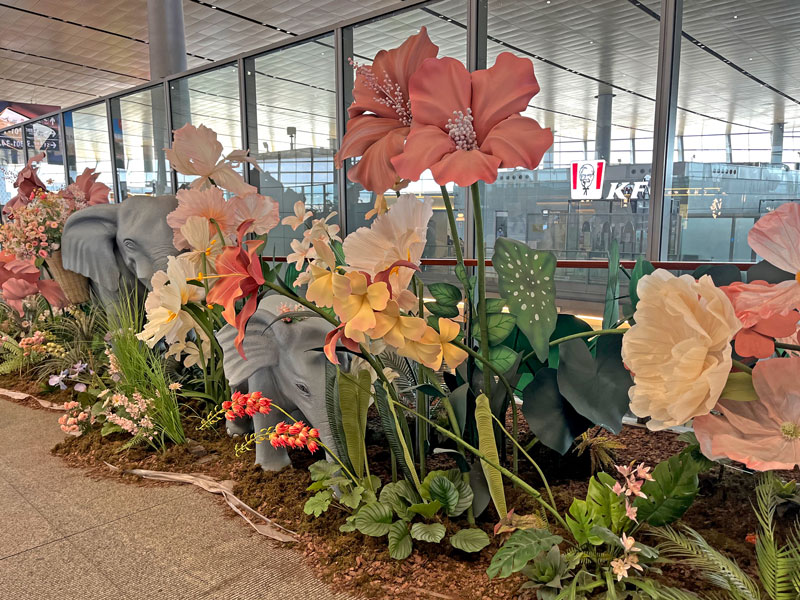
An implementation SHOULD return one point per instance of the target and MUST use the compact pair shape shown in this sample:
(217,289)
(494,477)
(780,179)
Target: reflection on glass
(737,131)
(446,24)
(291,108)
(12,160)
(86,132)
(597,78)
(140,135)
(43,136)
(210,98)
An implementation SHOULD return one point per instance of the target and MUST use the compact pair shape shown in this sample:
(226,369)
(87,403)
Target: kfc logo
(587,180)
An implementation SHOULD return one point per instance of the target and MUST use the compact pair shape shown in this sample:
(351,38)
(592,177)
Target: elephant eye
(129,244)
(303,388)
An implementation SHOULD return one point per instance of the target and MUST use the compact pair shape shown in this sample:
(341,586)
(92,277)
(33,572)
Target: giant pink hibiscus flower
(380,115)
(467,125)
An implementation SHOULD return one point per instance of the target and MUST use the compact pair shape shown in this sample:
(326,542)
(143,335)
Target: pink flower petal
(425,146)
(518,142)
(775,237)
(375,171)
(501,91)
(440,87)
(465,167)
(750,343)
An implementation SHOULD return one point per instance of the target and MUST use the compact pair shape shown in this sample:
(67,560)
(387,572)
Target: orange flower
(322,273)
(467,125)
(356,299)
(239,270)
(380,114)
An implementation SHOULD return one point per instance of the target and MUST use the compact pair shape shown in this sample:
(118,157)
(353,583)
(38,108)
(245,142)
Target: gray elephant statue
(281,363)
(119,246)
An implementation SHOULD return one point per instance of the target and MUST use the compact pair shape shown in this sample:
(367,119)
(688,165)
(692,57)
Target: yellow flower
(203,244)
(395,328)
(356,300)
(679,350)
(379,208)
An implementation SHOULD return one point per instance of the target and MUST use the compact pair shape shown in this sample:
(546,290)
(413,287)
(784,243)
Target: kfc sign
(587,179)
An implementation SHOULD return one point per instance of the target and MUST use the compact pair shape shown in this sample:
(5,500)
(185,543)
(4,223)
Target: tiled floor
(67,536)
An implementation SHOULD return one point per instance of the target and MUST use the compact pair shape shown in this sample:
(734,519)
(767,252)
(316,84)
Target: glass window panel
(606,54)
(291,107)
(139,121)
(86,132)
(210,98)
(446,24)
(12,160)
(734,115)
(44,136)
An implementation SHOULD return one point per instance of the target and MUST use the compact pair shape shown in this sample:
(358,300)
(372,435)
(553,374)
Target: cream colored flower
(202,244)
(300,216)
(679,350)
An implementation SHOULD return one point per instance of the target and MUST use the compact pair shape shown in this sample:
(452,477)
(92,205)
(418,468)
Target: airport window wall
(690,191)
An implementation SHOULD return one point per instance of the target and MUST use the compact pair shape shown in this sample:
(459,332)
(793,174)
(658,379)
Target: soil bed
(361,565)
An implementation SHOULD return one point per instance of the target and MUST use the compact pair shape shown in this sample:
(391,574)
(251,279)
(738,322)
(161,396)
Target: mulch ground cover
(361,565)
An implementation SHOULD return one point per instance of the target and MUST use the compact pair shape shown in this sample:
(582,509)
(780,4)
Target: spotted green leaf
(525,277)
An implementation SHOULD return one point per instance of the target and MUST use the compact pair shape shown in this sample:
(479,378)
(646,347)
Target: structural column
(167,38)
(777,144)
(602,135)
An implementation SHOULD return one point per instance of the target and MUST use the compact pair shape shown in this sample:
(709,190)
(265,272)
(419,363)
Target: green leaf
(400,544)
(322,469)
(443,490)
(392,429)
(607,509)
(642,268)
(565,325)
(109,428)
(465,493)
(445,293)
(611,310)
(502,357)
(428,532)
(671,493)
(428,389)
(390,495)
(374,519)
(470,540)
(521,548)
(580,522)
(426,510)
(354,397)
(352,498)
(500,326)
(442,310)
(525,278)
(334,412)
(488,447)
(495,305)
(318,503)
(548,414)
(739,387)
(720,274)
(348,525)
(596,386)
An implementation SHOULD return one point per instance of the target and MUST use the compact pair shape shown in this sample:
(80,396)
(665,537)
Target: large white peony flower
(679,350)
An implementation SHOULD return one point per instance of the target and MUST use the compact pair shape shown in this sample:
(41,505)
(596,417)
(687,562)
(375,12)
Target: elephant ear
(260,347)
(87,244)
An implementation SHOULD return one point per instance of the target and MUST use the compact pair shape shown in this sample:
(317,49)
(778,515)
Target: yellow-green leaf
(488,447)
(739,387)
(354,395)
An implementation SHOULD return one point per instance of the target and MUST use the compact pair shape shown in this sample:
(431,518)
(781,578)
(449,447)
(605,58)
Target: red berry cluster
(241,405)
(297,435)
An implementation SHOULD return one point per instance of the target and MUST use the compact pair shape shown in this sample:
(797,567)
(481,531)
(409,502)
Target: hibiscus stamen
(388,93)
(791,431)
(461,130)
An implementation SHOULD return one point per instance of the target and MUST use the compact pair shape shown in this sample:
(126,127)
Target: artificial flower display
(381,113)
(208,203)
(679,350)
(20,279)
(466,126)
(87,189)
(763,434)
(196,151)
(27,182)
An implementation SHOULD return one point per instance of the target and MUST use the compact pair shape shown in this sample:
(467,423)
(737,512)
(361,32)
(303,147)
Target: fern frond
(693,550)
(775,563)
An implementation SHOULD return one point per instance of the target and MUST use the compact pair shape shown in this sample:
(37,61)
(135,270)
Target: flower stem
(481,256)
(787,346)
(575,336)
(309,305)
(422,403)
(494,369)
(742,367)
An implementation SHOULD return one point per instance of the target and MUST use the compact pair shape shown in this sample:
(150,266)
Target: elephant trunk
(160,259)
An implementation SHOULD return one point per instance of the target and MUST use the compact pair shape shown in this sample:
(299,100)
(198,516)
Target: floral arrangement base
(74,285)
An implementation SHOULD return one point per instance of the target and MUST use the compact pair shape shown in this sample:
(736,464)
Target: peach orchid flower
(381,114)
(775,237)
(261,210)
(763,434)
(300,216)
(26,183)
(208,203)
(86,184)
(21,278)
(468,125)
(758,334)
(196,151)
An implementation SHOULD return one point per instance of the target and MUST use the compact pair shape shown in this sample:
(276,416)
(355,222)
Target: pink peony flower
(763,434)
(208,203)
(261,210)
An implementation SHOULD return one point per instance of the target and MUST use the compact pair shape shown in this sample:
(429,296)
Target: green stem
(575,336)
(533,462)
(451,415)
(742,367)
(276,288)
(422,404)
(521,483)
(451,219)
(494,369)
(481,256)
(787,346)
